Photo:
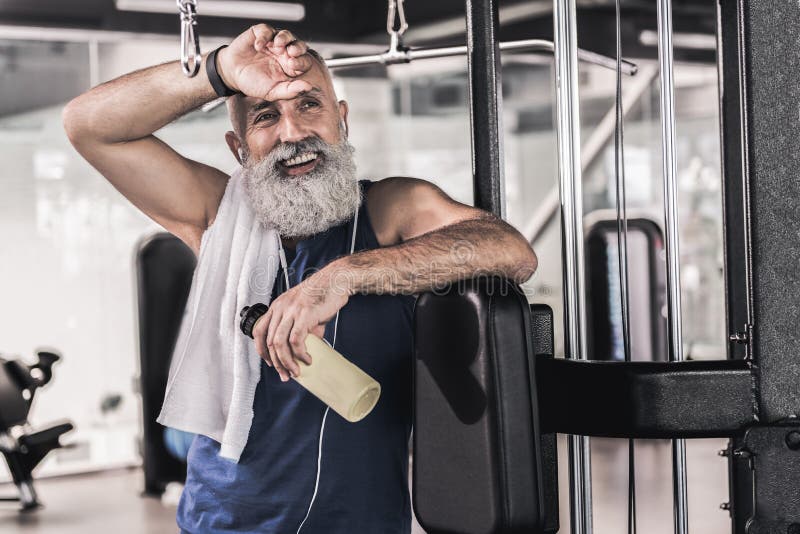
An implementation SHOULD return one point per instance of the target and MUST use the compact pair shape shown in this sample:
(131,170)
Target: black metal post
(736,227)
(759,90)
(485,97)
(772,69)
(736,197)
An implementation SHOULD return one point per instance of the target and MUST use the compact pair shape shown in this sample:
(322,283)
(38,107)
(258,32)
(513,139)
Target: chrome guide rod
(526,45)
(680,501)
(571,190)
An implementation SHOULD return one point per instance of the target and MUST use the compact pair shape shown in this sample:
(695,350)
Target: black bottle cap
(249,315)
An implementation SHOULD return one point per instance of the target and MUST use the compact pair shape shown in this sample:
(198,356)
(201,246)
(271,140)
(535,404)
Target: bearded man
(289,133)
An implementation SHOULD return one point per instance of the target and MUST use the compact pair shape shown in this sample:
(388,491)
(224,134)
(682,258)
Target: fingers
(295,66)
(263,34)
(271,350)
(282,39)
(282,372)
(297,343)
(267,353)
(296,48)
(279,343)
(260,336)
(291,53)
(287,90)
(270,354)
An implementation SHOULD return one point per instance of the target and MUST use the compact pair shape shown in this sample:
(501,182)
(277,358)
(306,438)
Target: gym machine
(23,447)
(164,268)
(483,460)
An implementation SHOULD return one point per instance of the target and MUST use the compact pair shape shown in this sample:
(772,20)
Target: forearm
(136,105)
(477,247)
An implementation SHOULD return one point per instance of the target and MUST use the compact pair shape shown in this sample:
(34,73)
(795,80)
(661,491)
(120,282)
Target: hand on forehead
(289,51)
(270,65)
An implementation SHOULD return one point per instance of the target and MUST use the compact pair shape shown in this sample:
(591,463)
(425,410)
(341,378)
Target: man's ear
(236,146)
(343,110)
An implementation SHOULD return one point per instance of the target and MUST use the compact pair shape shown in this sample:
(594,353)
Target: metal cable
(622,251)
(672,242)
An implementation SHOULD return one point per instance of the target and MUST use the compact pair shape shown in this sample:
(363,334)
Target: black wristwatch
(213,75)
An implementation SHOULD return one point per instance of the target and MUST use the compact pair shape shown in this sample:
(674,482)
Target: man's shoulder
(394,188)
(401,181)
(387,197)
(392,200)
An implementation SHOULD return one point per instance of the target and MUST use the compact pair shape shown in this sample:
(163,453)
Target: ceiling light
(222,8)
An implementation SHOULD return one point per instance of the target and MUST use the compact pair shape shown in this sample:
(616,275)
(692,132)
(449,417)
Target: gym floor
(110,501)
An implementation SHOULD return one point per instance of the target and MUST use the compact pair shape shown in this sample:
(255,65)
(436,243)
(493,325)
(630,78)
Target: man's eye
(310,104)
(266,116)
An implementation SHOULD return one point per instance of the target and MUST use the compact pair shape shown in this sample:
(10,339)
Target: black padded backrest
(13,406)
(477,461)
(164,269)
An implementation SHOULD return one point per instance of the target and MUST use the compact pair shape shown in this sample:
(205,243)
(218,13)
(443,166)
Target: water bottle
(331,377)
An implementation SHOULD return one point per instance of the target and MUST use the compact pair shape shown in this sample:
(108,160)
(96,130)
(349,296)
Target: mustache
(287,150)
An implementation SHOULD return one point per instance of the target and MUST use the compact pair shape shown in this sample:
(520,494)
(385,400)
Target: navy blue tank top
(363,482)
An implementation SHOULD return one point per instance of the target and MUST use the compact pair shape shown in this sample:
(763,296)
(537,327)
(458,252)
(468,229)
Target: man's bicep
(409,207)
(179,194)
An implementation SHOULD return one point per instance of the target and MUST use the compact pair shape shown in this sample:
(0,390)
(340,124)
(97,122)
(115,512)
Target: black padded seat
(45,436)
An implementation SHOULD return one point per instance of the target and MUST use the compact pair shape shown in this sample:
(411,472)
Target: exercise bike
(22,446)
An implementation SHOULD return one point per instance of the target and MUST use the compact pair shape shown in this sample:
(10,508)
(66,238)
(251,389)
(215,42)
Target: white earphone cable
(327,408)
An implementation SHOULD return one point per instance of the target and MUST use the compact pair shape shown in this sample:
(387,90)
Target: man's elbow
(76,118)
(72,118)
(525,266)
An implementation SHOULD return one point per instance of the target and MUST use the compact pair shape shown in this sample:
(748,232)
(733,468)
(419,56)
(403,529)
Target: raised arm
(112,127)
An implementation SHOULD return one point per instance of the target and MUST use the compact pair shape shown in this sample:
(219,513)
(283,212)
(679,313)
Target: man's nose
(292,129)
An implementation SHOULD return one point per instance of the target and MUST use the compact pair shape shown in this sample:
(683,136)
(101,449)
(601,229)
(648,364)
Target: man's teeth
(305,157)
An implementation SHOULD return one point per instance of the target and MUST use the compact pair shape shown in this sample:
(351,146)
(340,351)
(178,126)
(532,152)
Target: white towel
(215,368)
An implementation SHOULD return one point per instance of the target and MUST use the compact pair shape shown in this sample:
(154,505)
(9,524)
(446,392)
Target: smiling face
(297,167)
(260,126)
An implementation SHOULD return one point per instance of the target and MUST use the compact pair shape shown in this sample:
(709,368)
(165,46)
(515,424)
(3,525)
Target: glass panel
(411,120)
(68,240)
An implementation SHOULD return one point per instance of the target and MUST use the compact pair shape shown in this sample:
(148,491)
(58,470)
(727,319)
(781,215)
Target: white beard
(301,206)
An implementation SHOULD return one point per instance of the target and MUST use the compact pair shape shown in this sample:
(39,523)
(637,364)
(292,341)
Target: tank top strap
(365,234)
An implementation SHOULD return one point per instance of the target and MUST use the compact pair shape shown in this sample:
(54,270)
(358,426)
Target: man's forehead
(240,107)
(252,103)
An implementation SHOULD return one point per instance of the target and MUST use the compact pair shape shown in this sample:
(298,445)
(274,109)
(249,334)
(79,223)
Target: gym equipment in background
(164,269)
(647,297)
(23,447)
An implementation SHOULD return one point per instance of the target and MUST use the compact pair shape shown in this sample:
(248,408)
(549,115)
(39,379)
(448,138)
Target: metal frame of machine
(753,397)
